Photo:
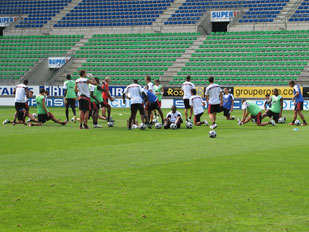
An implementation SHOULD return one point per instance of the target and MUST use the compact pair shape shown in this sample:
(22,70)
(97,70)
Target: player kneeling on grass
(228,104)
(255,113)
(196,105)
(173,117)
(276,108)
(43,113)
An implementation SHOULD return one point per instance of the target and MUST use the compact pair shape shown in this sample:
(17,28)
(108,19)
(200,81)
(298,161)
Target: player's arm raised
(91,80)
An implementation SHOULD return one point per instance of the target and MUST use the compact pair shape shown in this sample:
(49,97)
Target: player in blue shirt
(152,104)
(228,103)
(299,103)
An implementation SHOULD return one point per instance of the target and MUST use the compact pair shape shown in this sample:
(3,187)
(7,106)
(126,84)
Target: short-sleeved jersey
(227,101)
(186,88)
(252,108)
(69,85)
(83,87)
(150,86)
(39,104)
(276,104)
(96,92)
(213,92)
(196,101)
(173,116)
(299,98)
(150,95)
(134,91)
(106,87)
(20,93)
(157,91)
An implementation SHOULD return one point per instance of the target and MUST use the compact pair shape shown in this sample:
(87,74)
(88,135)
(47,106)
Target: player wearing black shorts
(69,97)
(186,87)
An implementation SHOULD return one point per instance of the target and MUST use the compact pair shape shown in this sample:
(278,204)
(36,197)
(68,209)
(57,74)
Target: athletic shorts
(275,116)
(137,107)
(154,106)
(27,107)
(299,106)
(187,104)
(44,118)
(21,115)
(71,102)
(20,106)
(214,109)
(84,104)
(226,112)
(160,103)
(258,118)
(197,118)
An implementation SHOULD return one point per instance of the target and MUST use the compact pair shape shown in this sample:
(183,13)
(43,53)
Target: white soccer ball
(142,126)
(297,123)
(212,134)
(154,121)
(35,115)
(134,126)
(110,124)
(281,120)
(158,125)
(189,125)
(173,126)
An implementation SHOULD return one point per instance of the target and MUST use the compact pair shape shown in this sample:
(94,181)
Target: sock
(304,121)
(293,121)
(67,113)
(81,125)
(74,112)
(213,123)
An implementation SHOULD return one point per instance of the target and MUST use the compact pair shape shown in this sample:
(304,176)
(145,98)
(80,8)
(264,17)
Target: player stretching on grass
(69,97)
(299,103)
(135,93)
(255,113)
(43,113)
(186,88)
(214,99)
(82,87)
(276,108)
(196,104)
(173,116)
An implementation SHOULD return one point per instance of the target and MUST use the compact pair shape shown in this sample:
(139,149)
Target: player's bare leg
(81,118)
(86,117)
(161,115)
(301,115)
(33,119)
(56,120)
(186,114)
(103,117)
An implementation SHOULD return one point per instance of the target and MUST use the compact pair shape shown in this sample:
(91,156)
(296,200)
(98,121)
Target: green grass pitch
(59,178)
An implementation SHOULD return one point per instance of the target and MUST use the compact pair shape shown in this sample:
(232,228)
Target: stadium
(154,115)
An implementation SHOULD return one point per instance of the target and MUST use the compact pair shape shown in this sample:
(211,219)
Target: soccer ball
(173,126)
(281,120)
(297,123)
(154,121)
(189,125)
(142,126)
(134,126)
(110,124)
(212,134)
(158,126)
(35,115)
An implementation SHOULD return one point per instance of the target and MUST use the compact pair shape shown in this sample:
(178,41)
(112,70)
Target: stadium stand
(302,13)
(38,12)
(98,13)
(20,53)
(125,57)
(259,11)
(249,58)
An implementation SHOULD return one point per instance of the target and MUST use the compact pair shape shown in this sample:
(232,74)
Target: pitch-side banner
(223,16)
(287,104)
(7,90)
(5,21)
(177,91)
(260,92)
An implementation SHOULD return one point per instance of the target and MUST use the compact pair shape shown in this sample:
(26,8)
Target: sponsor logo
(260,92)
(9,90)
(178,92)
(57,62)
(287,105)
(223,16)
(5,21)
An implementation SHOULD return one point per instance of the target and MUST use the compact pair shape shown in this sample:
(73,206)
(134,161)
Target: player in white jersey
(21,93)
(214,99)
(173,116)
(135,93)
(82,88)
(196,104)
(186,88)
(149,83)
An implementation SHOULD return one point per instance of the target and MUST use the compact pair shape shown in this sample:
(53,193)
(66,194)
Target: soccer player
(149,83)
(152,104)
(69,97)
(267,103)
(135,93)
(186,88)
(96,99)
(214,99)
(158,90)
(173,116)
(21,92)
(255,113)
(196,104)
(276,108)
(43,113)
(228,104)
(299,103)
(84,97)
(105,105)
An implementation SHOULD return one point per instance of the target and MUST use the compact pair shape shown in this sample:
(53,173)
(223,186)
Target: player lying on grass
(228,104)
(173,117)
(196,105)
(276,103)
(255,113)
(43,113)
(299,103)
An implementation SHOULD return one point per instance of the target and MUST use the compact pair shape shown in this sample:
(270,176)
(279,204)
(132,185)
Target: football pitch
(59,178)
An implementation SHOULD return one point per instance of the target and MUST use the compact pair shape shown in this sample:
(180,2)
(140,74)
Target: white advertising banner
(223,16)
(57,62)
(5,21)
(7,90)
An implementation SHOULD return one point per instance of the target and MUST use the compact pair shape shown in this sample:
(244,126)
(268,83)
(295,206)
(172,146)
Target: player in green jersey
(43,113)
(276,108)
(255,113)
(158,91)
(69,97)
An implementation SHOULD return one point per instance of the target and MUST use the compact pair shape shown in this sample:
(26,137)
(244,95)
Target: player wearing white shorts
(173,116)
(186,88)
(214,99)
(196,104)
